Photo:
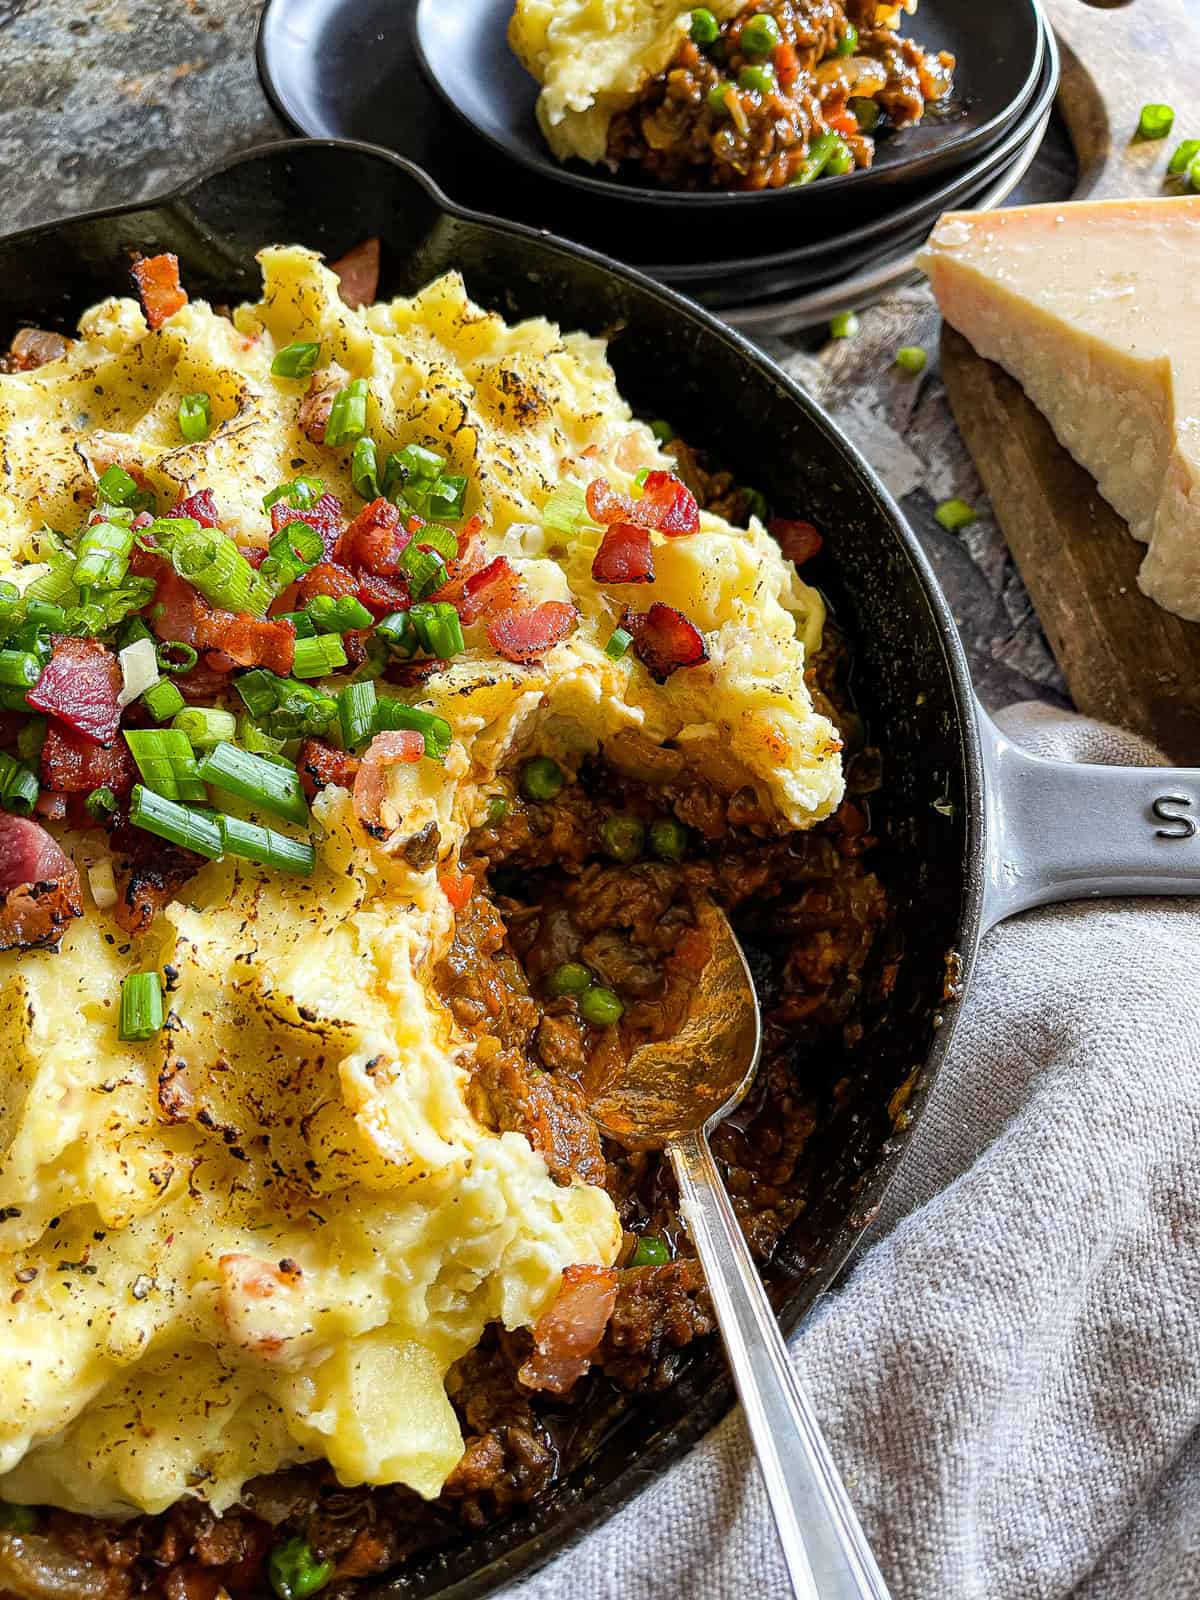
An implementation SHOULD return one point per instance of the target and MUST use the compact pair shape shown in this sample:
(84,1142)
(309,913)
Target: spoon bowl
(670,1096)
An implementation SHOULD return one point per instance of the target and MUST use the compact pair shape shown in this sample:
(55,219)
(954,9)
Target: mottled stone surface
(106,101)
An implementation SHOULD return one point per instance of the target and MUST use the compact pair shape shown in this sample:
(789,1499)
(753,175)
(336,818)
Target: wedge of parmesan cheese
(1093,309)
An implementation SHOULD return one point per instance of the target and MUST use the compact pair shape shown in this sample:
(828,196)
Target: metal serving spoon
(671,1096)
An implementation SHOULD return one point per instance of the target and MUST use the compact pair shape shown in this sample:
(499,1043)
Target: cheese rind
(1090,307)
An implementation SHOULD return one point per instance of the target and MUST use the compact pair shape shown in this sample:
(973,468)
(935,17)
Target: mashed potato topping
(264,1235)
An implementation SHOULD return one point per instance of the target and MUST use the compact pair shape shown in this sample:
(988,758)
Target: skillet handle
(1062,830)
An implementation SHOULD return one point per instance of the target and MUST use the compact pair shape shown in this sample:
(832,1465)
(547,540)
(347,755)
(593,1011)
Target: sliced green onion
(1184,155)
(319,656)
(251,737)
(760,35)
(103,555)
(116,486)
(261,783)
(425,570)
(1193,173)
(443,540)
(300,620)
(162,700)
(841,159)
(356,713)
(12,607)
(268,848)
(955,514)
(542,778)
(820,149)
(14,700)
(298,360)
(195,417)
(398,633)
(756,504)
(1155,122)
(19,669)
(600,1007)
(391,713)
(301,494)
(131,631)
(213,565)
(166,762)
(343,615)
(640,479)
(844,325)
(174,655)
(181,825)
(101,804)
(57,587)
(848,43)
(650,1252)
(704,27)
(618,644)
(623,837)
(348,414)
(364,469)
(32,637)
(414,461)
(293,551)
(284,707)
(448,496)
(141,1006)
(566,510)
(19,787)
(204,727)
(376,657)
(911,359)
(31,738)
(438,628)
(668,839)
(570,977)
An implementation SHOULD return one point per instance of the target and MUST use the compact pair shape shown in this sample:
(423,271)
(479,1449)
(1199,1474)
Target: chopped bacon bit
(79,685)
(460,568)
(142,520)
(39,885)
(157,279)
(32,348)
(321,765)
(11,723)
(375,540)
(625,555)
(180,612)
(207,680)
(358,274)
(566,1337)
(51,806)
(325,578)
(411,674)
(201,506)
(385,750)
(457,887)
(664,640)
(382,595)
(255,555)
(72,764)
(799,541)
(525,635)
(149,873)
(495,588)
(667,505)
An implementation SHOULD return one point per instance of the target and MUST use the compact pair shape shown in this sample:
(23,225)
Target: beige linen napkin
(1010,1376)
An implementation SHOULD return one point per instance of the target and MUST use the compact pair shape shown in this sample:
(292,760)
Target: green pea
(623,837)
(668,839)
(848,43)
(497,808)
(756,504)
(294,1570)
(718,99)
(761,80)
(600,1007)
(705,27)
(662,431)
(542,778)
(760,35)
(572,977)
(651,1252)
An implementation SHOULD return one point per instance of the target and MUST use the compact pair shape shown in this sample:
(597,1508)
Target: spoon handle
(826,1551)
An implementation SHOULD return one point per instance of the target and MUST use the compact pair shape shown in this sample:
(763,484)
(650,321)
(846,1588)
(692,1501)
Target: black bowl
(910,676)
(336,69)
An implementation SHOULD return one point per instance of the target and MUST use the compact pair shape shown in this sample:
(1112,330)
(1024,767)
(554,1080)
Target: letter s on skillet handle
(1061,830)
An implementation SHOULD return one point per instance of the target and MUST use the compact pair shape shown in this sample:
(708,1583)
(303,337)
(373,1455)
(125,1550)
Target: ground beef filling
(696,127)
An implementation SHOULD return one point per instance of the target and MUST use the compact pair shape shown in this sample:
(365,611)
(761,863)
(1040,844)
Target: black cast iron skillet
(951,863)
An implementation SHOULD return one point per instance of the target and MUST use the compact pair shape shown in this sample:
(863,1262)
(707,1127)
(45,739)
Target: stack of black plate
(435,81)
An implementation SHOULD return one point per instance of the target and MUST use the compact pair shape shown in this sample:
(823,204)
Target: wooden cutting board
(1124,658)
